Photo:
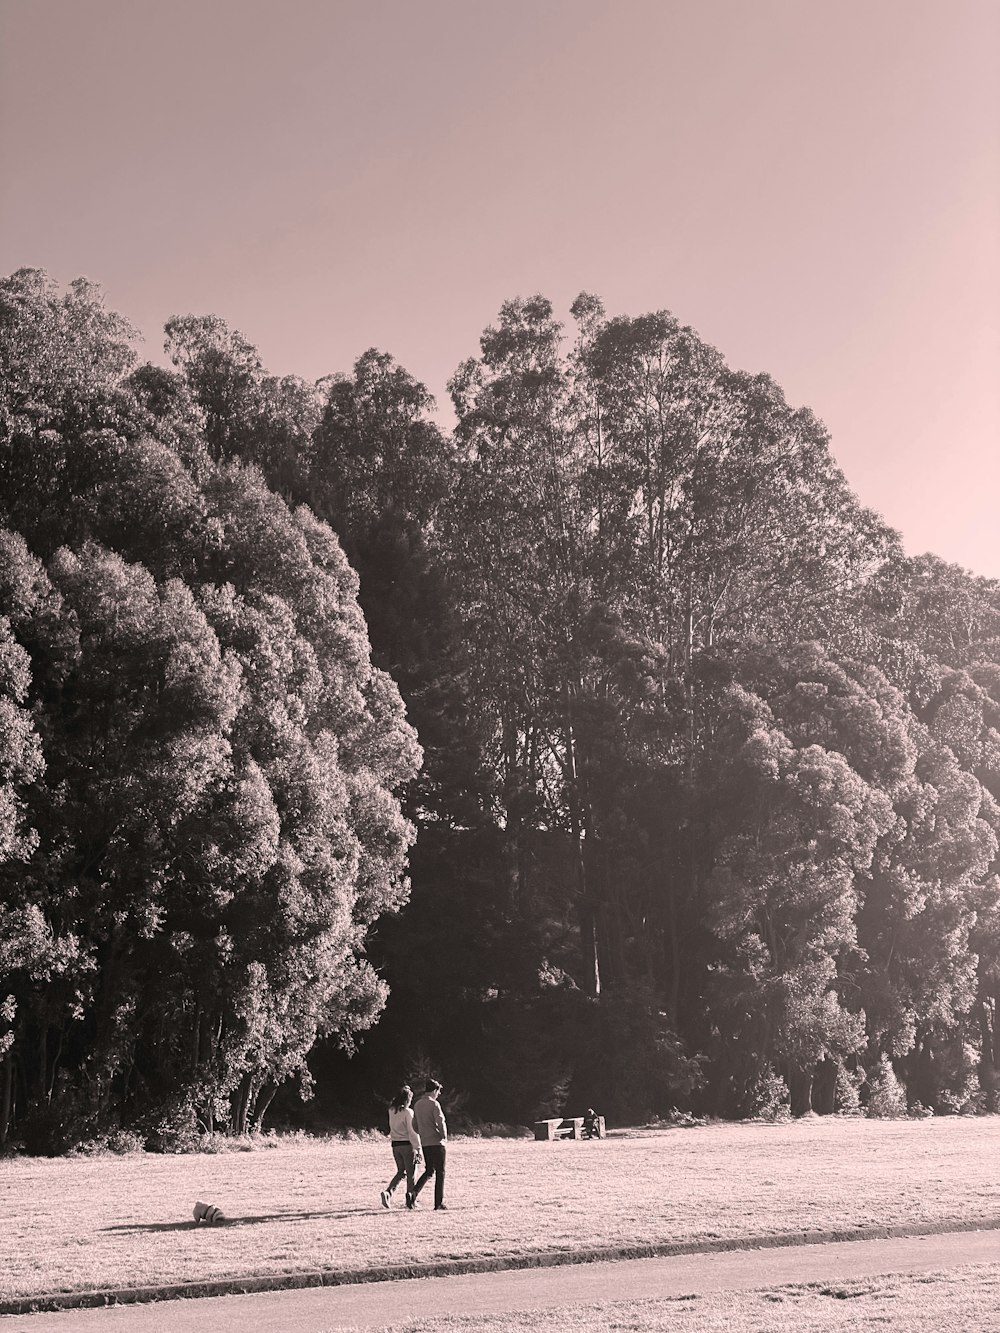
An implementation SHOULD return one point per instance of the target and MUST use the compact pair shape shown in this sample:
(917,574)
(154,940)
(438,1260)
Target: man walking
(429,1122)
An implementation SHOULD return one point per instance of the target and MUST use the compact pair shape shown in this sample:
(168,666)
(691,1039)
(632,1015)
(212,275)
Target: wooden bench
(572,1128)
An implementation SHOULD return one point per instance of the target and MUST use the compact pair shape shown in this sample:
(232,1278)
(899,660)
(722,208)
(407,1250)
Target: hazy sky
(813,185)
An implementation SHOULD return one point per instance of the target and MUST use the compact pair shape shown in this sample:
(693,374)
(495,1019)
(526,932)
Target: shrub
(118,1142)
(969,1101)
(53,1130)
(488,1130)
(174,1129)
(847,1092)
(886,1095)
(961,1092)
(768,1097)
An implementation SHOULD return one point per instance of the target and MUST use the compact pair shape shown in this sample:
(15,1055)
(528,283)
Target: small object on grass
(208,1212)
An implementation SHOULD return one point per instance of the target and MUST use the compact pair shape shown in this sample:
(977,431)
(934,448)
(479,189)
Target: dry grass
(119,1222)
(961,1299)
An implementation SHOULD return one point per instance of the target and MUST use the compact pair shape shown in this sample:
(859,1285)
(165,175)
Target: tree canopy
(606,741)
(202,764)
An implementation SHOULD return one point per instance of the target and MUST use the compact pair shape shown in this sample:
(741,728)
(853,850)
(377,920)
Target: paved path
(369,1305)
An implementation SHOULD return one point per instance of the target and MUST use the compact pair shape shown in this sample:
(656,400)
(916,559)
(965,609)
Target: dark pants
(403,1153)
(434,1155)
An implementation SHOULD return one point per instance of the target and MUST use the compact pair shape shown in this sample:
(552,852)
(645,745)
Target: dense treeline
(707,814)
(199,762)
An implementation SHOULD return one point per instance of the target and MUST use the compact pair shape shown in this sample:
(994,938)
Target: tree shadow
(337,1214)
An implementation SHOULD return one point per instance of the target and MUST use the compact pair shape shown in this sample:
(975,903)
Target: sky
(812,185)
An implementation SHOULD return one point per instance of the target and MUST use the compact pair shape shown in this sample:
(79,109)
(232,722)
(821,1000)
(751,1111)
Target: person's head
(402,1098)
(432,1087)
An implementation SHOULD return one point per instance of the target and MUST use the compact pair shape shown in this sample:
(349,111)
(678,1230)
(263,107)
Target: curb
(332,1277)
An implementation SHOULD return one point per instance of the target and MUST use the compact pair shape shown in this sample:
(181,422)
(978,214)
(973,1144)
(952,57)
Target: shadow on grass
(230,1222)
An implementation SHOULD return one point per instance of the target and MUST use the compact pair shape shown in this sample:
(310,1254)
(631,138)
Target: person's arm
(440,1123)
(412,1132)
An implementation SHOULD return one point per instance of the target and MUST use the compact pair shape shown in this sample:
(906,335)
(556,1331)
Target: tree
(513,537)
(376,452)
(805,757)
(62,360)
(917,614)
(218,822)
(952,963)
(248,414)
(22,934)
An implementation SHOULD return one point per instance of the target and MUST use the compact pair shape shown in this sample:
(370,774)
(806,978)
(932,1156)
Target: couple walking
(416,1132)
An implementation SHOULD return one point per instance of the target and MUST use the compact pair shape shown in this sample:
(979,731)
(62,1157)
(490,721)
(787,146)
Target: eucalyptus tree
(263,419)
(62,360)
(722,503)
(376,451)
(24,942)
(955,967)
(798,777)
(930,921)
(916,615)
(218,823)
(515,544)
(624,507)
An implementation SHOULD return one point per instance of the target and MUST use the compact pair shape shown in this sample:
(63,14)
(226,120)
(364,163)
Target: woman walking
(405,1145)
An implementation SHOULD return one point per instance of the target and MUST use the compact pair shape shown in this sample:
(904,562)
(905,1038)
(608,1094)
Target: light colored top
(401,1127)
(429,1120)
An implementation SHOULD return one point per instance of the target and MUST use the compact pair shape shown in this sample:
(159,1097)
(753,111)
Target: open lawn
(104,1222)
(964,1298)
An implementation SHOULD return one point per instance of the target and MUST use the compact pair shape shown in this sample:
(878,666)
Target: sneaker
(411,1201)
(440,1207)
(384,1197)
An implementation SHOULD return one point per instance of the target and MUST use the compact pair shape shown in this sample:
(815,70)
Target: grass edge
(245,1286)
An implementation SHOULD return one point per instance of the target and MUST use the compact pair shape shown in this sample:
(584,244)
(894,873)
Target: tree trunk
(51,1077)
(513,803)
(262,1106)
(587,908)
(921,1074)
(800,1087)
(242,1104)
(5,1095)
(674,959)
(824,1093)
(43,1063)
(987,1060)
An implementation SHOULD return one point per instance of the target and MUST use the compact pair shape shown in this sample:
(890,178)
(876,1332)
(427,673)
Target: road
(369,1305)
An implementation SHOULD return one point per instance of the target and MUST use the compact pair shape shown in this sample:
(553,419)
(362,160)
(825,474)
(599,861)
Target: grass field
(961,1299)
(71,1224)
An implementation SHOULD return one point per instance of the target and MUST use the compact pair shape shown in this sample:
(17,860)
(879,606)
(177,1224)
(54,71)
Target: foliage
(709,811)
(768,1097)
(202,820)
(847,1091)
(886,1095)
